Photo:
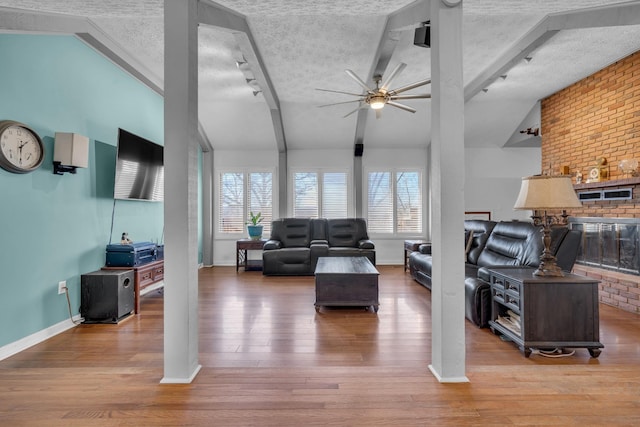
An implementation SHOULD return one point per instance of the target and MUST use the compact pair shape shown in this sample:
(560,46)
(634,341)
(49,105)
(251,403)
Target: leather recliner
(507,243)
(296,244)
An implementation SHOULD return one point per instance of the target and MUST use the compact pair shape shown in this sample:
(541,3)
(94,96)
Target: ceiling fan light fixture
(377,102)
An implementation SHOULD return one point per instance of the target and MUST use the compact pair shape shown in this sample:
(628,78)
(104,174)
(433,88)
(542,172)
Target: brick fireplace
(599,118)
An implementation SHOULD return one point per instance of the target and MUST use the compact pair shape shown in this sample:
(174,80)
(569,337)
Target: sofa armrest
(425,248)
(366,244)
(319,242)
(272,244)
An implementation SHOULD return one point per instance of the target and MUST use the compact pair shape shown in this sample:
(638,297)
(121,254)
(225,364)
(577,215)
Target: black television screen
(139,168)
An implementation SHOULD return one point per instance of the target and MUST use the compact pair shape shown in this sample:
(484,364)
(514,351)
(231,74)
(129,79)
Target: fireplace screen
(611,243)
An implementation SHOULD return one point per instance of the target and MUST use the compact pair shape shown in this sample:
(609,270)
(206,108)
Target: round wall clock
(21,149)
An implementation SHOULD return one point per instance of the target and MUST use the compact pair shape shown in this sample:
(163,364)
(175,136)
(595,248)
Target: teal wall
(55,228)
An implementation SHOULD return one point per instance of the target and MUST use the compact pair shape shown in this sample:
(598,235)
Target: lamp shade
(545,192)
(71,149)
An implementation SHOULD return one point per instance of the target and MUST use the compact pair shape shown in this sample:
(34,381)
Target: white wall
(493,177)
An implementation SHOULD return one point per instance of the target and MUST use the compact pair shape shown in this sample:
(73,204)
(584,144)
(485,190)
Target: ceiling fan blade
(351,112)
(339,103)
(409,87)
(378,113)
(423,96)
(388,79)
(339,91)
(401,106)
(359,80)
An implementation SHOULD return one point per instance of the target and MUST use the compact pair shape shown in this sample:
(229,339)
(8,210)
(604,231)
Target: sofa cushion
(421,262)
(512,243)
(292,232)
(287,261)
(346,232)
(481,230)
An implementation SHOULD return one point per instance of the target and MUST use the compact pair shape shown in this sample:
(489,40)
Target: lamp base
(548,266)
(548,271)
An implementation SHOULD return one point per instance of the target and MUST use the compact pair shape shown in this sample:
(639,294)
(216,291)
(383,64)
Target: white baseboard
(36,338)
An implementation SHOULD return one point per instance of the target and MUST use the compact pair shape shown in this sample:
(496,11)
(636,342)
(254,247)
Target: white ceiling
(308,44)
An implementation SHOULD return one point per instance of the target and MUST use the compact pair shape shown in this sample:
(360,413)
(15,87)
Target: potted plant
(253,226)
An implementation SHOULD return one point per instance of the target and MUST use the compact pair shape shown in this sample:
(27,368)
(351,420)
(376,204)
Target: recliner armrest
(366,244)
(272,244)
(319,242)
(425,248)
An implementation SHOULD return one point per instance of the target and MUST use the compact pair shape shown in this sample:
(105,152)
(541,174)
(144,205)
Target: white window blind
(408,202)
(334,195)
(231,218)
(260,198)
(320,194)
(380,202)
(394,202)
(241,193)
(305,198)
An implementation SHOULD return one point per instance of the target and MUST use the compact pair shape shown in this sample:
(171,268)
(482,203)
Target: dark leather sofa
(495,244)
(296,244)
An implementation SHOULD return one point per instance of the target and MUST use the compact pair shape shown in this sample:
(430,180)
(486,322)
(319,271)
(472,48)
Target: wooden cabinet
(146,277)
(545,312)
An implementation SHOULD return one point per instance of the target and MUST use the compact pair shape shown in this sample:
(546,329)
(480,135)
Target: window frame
(320,172)
(245,171)
(394,182)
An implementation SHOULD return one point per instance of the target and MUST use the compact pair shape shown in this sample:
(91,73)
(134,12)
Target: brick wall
(615,289)
(596,117)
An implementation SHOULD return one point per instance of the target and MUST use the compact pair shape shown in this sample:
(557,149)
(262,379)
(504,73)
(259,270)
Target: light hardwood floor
(270,360)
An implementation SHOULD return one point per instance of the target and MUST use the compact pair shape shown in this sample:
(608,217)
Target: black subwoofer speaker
(107,296)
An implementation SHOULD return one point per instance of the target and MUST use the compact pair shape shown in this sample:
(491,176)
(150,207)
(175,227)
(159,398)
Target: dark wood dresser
(545,312)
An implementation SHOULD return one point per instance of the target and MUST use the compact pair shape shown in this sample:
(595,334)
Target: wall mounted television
(139,168)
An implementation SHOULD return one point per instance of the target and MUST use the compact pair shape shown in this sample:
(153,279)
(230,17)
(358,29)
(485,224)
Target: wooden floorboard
(268,359)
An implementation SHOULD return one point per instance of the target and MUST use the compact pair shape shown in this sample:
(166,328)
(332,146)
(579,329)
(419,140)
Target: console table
(545,312)
(146,277)
(244,245)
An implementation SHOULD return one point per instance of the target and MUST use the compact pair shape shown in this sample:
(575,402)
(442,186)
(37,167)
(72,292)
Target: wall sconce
(71,151)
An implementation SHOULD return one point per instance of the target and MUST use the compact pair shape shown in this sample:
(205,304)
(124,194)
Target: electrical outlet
(62,286)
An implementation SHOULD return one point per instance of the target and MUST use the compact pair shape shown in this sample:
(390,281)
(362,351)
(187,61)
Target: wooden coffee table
(346,282)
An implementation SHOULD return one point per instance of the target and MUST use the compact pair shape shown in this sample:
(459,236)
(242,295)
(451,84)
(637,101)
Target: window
(320,194)
(394,202)
(241,193)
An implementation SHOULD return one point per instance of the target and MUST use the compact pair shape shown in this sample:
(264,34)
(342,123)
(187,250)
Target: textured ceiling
(308,44)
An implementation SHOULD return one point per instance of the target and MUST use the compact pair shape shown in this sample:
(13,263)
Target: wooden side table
(411,246)
(244,245)
(545,312)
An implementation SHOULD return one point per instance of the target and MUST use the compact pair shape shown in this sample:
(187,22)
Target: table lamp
(547,193)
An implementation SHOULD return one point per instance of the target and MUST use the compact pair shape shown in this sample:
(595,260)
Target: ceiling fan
(380,96)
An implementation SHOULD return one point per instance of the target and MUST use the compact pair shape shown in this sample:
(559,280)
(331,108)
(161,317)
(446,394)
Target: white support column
(181,191)
(447,115)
